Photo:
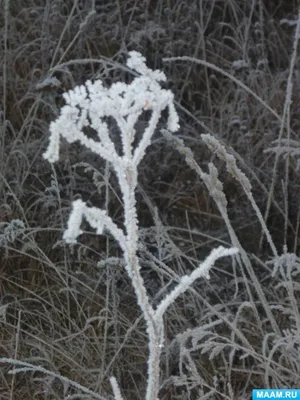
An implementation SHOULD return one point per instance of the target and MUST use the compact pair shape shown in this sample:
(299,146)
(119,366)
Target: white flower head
(87,105)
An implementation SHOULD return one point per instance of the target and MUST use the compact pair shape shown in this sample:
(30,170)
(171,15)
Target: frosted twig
(187,280)
(25,367)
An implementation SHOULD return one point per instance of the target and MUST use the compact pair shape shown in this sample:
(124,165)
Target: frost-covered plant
(87,105)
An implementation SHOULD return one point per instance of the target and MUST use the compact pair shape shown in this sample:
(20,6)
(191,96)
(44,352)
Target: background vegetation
(72,309)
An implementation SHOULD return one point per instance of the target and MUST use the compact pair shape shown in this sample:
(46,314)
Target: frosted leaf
(235,122)
(286,263)
(285,148)
(239,64)
(50,82)
(10,231)
(289,22)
